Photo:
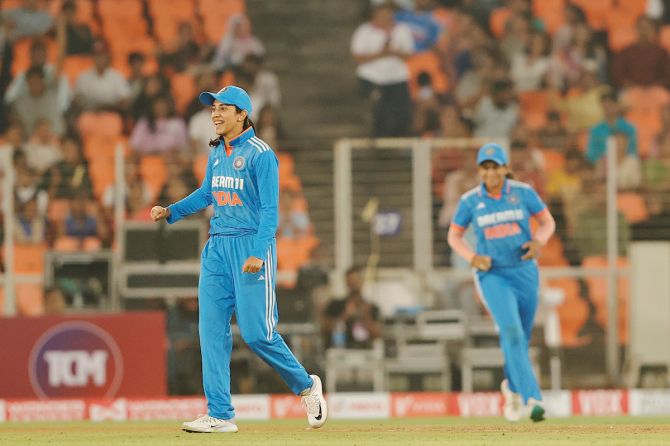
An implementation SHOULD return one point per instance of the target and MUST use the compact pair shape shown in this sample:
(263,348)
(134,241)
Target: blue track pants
(225,289)
(511,296)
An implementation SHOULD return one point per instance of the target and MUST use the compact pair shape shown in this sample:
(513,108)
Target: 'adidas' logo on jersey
(481,205)
(261,277)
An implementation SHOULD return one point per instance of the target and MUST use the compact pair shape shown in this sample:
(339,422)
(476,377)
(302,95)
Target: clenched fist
(159,213)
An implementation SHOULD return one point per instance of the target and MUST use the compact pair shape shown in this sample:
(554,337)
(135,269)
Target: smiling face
(493,175)
(227,121)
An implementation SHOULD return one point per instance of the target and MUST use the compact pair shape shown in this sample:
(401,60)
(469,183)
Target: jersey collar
(242,137)
(505,190)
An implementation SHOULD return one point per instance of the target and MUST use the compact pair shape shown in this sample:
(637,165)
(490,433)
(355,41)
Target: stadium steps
(307,46)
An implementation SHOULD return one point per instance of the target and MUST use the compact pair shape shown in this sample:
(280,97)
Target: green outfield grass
(425,431)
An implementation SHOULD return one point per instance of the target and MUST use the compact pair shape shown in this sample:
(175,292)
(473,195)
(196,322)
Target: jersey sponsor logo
(228,182)
(501,231)
(224,198)
(500,217)
(239,163)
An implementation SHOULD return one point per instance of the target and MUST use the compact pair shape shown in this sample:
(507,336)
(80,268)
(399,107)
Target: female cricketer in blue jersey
(239,262)
(506,272)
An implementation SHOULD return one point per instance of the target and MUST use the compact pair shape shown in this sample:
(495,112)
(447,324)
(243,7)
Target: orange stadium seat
(429,62)
(596,11)
(29,258)
(553,160)
(183,90)
(621,28)
(216,13)
(598,293)
(551,13)
(633,206)
(497,21)
(645,110)
(200,166)
(664,37)
(29,299)
(106,124)
(534,106)
(102,174)
(74,66)
(123,9)
(573,313)
(286,163)
(154,172)
(66,244)
(180,10)
(126,28)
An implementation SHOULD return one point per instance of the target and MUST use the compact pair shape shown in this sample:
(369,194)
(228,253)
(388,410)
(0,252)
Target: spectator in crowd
(517,33)
(453,124)
(486,67)
(132,175)
(27,20)
(185,52)
(584,52)
(425,28)
(379,48)
(268,127)
(43,149)
(205,81)
(644,63)
(161,131)
(530,67)
(629,167)
(654,228)
(38,103)
(237,42)
(426,107)
(574,17)
(352,322)
(12,140)
(613,123)
(70,175)
(201,132)
(53,79)
(264,84)
(553,135)
(30,227)
(497,113)
(136,78)
(54,301)
(28,188)
(82,223)
(102,87)
(138,207)
(155,85)
(564,186)
(174,190)
(456,183)
(527,164)
(78,36)
(293,221)
(588,234)
(582,104)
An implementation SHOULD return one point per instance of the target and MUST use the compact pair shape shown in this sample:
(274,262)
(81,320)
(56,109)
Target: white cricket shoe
(513,408)
(315,403)
(207,424)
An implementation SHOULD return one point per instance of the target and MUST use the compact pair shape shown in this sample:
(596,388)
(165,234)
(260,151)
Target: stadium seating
(550,12)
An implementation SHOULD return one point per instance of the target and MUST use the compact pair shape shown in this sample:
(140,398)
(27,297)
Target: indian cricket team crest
(513,199)
(490,151)
(239,162)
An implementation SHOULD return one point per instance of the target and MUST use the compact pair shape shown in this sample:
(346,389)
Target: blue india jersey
(501,224)
(242,183)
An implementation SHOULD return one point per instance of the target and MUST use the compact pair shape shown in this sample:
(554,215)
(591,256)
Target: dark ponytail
(245,125)
(509,175)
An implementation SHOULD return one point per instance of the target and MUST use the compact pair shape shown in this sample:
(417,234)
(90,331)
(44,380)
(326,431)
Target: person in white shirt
(379,48)
(530,68)
(102,87)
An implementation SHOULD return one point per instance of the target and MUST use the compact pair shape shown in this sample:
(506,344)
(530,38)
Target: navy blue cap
(492,152)
(228,95)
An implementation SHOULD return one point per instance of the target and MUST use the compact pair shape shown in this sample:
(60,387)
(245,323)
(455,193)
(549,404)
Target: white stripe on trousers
(270,296)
